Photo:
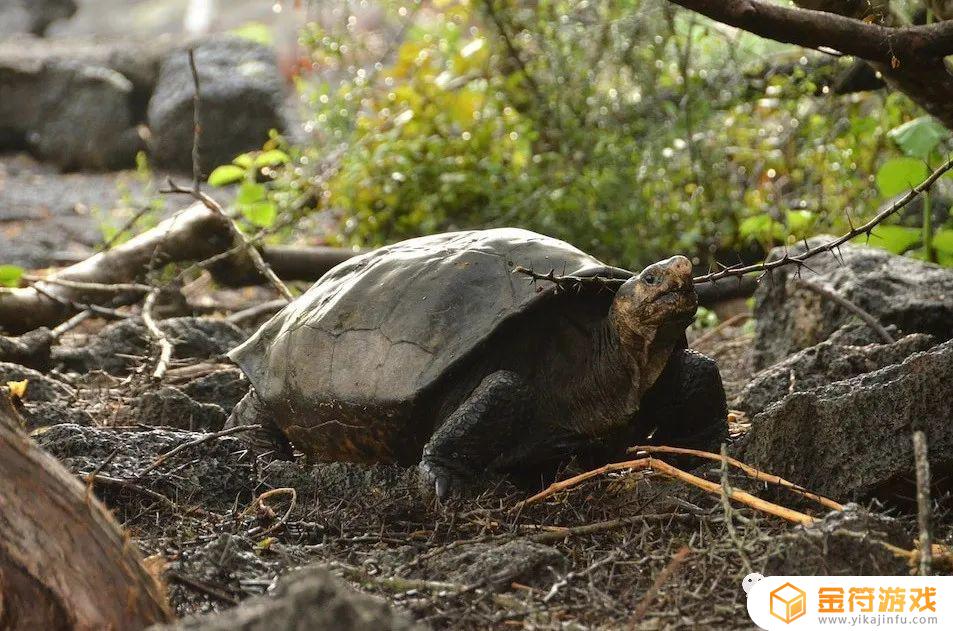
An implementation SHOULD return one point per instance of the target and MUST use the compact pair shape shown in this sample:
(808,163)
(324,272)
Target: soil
(50,218)
(228,523)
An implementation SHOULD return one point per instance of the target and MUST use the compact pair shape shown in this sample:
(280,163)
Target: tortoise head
(660,301)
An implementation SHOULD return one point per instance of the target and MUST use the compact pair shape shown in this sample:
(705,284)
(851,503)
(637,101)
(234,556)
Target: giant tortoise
(433,351)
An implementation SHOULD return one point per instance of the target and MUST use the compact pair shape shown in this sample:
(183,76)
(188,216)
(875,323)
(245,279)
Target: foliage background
(627,127)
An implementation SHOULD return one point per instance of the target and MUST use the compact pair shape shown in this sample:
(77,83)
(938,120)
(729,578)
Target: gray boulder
(74,114)
(242,97)
(852,439)
(914,296)
(310,598)
(824,363)
(32,16)
(138,61)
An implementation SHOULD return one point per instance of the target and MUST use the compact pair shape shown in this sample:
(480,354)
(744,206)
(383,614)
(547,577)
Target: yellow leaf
(18,388)
(266,543)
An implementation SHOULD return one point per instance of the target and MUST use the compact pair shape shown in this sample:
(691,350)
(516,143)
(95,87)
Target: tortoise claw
(436,480)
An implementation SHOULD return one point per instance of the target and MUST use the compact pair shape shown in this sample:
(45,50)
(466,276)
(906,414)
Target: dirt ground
(623,549)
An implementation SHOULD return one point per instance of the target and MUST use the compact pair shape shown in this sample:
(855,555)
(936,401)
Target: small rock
(914,296)
(496,567)
(824,363)
(170,407)
(241,101)
(47,401)
(842,544)
(309,598)
(852,438)
(32,16)
(121,346)
(40,387)
(211,474)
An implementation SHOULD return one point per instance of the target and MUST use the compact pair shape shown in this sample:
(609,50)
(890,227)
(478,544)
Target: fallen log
(194,234)
(64,562)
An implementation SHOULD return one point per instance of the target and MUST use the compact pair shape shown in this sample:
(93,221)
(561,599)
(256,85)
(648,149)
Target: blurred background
(632,128)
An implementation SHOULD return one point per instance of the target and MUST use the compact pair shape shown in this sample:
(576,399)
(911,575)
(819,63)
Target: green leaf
(10,275)
(755,227)
(245,160)
(943,246)
(262,214)
(895,239)
(226,174)
(800,221)
(258,32)
(943,241)
(920,137)
(250,193)
(899,175)
(271,158)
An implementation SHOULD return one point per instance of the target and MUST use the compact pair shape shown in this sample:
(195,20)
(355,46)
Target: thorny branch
(571,283)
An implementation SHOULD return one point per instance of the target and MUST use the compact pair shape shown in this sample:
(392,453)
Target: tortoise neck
(639,353)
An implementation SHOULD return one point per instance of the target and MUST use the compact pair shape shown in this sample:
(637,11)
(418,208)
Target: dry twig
(642,464)
(832,295)
(259,505)
(160,338)
(192,443)
(196,192)
(663,577)
(923,502)
(750,471)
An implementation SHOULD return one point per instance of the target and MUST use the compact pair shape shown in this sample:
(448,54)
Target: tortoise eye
(650,279)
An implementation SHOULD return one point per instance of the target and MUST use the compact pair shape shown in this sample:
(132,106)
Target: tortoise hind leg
(268,438)
(483,431)
(687,404)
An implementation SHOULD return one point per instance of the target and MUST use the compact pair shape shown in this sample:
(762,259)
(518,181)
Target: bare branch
(829,31)
(210,203)
(160,338)
(923,501)
(832,295)
(196,123)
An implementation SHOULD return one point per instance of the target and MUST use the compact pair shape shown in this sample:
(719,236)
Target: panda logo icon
(750,581)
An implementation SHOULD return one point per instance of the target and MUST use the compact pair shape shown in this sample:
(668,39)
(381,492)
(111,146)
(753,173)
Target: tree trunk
(64,562)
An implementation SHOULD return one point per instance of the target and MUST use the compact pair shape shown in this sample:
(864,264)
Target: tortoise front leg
(687,403)
(484,430)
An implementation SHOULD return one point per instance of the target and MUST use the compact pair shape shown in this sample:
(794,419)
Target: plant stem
(928,252)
